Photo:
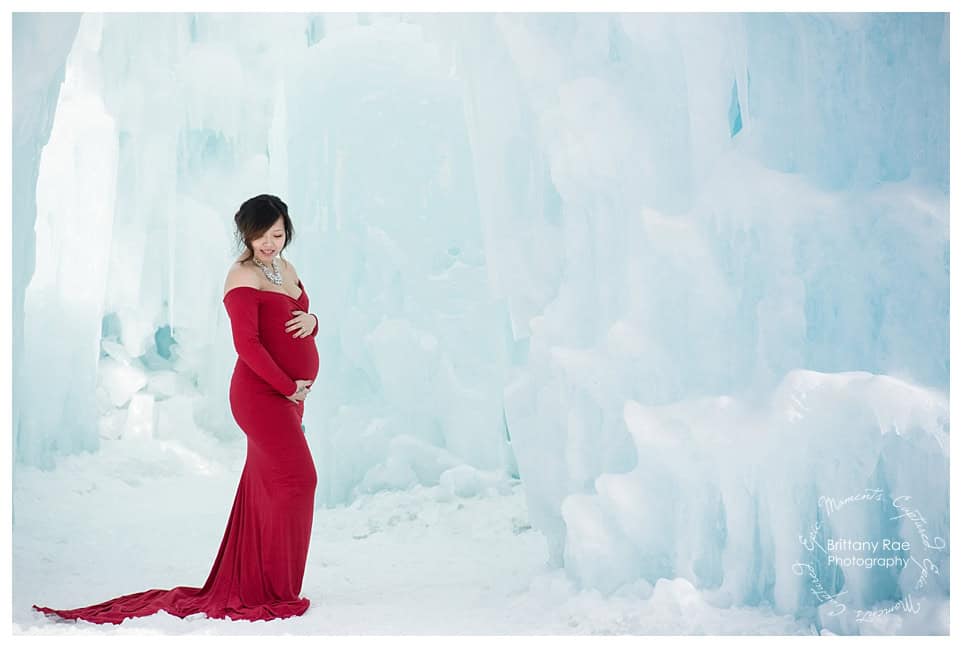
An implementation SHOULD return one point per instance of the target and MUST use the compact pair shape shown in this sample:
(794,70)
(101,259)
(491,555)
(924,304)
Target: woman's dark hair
(255,216)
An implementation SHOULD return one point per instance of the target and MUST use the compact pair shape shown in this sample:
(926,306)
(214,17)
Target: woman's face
(269,245)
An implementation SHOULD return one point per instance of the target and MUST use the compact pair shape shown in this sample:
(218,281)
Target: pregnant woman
(259,567)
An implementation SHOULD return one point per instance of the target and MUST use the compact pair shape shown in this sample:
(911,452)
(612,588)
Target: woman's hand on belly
(303,389)
(302,325)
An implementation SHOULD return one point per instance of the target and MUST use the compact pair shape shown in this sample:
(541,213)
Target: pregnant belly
(297,357)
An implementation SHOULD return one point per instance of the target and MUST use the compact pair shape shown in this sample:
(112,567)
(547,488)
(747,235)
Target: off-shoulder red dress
(259,568)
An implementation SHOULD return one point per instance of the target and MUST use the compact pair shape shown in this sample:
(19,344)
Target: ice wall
(699,223)
(689,272)
(40,46)
(362,142)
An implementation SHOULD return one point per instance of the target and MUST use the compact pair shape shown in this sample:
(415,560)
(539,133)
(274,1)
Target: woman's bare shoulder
(292,269)
(240,275)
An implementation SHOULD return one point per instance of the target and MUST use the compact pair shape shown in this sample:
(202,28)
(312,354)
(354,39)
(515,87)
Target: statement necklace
(273,275)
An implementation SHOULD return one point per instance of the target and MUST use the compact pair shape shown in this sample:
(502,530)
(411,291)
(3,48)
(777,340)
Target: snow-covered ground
(142,515)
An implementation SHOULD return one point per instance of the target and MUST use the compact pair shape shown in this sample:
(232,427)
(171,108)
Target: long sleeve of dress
(241,304)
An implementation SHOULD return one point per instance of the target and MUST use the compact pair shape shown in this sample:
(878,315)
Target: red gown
(259,567)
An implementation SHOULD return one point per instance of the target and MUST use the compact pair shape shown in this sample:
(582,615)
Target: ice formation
(685,275)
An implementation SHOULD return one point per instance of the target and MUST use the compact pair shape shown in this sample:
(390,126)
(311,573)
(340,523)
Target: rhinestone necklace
(273,275)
